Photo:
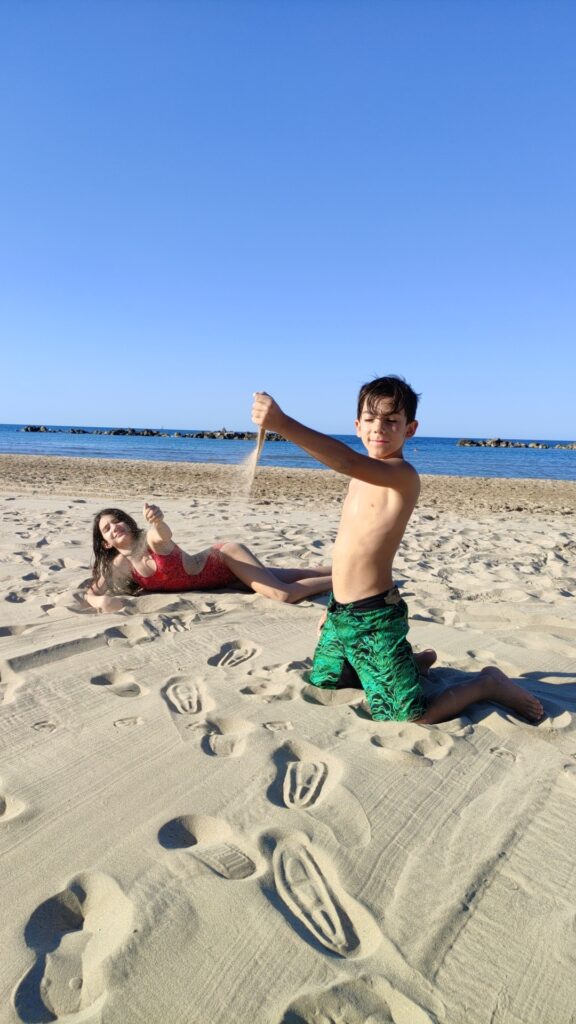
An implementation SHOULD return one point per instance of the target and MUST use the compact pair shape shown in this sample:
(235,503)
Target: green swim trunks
(370,636)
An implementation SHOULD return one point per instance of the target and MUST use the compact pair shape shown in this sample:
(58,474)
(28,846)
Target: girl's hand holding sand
(152,513)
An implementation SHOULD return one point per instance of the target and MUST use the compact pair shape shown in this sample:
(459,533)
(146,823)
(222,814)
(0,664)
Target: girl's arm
(159,535)
(95,595)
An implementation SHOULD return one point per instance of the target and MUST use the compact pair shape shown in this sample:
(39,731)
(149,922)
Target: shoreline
(127,478)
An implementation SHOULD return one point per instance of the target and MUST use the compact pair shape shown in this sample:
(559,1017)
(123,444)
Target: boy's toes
(537,709)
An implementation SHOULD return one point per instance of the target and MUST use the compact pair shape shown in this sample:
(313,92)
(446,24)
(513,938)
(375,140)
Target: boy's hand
(152,513)
(266,412)
(321,623)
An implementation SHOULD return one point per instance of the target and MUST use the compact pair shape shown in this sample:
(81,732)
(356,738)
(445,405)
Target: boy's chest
(366,501)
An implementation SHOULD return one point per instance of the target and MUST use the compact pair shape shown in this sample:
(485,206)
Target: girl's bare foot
(502,690)
(424,660)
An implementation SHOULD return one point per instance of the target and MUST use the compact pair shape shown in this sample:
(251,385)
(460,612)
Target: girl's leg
(251,571)
(491,684)
(293,575)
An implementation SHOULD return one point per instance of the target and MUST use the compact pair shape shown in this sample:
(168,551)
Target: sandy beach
(188,835)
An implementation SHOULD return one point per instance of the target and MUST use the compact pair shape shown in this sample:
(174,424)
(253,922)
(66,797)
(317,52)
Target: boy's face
(383,431)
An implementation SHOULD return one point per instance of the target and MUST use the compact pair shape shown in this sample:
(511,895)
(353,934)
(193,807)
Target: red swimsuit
(171,575)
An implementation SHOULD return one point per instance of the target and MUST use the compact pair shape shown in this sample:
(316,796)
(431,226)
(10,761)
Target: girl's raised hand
(152,513)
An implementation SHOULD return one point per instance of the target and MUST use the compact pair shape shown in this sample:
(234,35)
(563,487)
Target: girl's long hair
(104,557)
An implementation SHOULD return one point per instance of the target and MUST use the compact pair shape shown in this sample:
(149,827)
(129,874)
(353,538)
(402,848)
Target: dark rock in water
(218,435)
(497,442)
(232,435)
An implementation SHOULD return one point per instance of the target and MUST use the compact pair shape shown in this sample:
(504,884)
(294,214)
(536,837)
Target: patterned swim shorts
(369,637)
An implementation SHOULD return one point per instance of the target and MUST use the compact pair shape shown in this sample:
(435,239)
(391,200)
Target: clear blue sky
(200,198)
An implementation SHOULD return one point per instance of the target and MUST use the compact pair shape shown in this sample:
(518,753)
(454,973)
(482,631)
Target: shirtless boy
(367,620)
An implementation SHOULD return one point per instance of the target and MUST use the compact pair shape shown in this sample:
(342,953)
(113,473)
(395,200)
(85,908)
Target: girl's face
(115,533)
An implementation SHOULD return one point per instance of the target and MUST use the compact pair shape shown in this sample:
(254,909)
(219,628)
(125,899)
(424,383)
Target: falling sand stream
(243,481)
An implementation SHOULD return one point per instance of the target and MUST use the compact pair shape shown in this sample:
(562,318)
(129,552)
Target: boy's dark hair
(403,396)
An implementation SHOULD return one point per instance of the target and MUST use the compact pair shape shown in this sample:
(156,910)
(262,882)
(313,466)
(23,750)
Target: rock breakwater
(497,442)
(216,435)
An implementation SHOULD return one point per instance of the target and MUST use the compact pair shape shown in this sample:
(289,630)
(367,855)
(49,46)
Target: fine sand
(187,836)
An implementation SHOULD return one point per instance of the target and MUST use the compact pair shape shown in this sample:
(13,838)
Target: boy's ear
(411,428)
(357,427)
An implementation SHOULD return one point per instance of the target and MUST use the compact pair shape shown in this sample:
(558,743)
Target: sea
(434,455)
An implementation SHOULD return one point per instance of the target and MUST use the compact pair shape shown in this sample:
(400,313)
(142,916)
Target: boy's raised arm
(267,413)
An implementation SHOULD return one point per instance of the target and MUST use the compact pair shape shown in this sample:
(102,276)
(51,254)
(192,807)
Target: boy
(367,620)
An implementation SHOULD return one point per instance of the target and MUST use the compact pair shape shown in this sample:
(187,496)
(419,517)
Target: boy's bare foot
(424,660)
(502,690)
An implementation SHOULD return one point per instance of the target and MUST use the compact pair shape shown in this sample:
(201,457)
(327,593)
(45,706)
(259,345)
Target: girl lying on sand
(129,560)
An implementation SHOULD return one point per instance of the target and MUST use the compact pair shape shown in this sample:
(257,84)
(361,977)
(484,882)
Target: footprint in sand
(280,726)
(300,666)
(555,723)
(73,934)
(227,736)
(211,608)
(213,843)
(57,566)
(351,696)
(176,623)
(44,726)
(128,723)
(307,883)
(121,684)
(368,999)
(309,776)
(412,743)
(303,783)
(10,808)
(233,654)
(270,692)
(503,753)
(184,696)
(24,555)
(13,630)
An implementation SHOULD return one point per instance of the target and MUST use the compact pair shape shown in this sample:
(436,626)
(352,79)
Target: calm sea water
(436,455)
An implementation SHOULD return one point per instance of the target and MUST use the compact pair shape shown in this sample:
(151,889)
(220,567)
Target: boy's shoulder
(400,474)
(396,475)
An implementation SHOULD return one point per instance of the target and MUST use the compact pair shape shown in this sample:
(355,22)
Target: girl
(128,560)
